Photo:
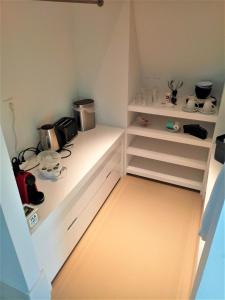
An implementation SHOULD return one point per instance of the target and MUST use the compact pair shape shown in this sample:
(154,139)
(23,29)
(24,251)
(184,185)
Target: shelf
(158,132)
(183,155)
(175,111)
(166,172)
(174,157)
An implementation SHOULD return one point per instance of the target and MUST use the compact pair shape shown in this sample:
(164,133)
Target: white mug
(191,103)
(208,106)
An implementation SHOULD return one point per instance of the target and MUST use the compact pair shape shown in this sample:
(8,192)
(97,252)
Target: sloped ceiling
(180,39)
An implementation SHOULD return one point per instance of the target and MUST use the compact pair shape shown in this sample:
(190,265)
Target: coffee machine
(28,189)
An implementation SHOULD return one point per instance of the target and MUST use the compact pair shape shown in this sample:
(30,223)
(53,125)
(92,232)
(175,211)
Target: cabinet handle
(109,174)
(71,224)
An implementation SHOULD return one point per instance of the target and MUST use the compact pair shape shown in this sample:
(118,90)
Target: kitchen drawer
(54,241)
(85,218)
(80,202)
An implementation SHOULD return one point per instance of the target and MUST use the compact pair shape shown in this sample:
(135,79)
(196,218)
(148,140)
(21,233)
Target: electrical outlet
(31,215)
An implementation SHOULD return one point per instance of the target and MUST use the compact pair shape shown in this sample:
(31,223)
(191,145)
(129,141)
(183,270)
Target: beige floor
(141,245)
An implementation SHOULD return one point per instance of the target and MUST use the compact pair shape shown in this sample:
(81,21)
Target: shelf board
(166,173)
(163,134)
(173,159)
(178,154)
(175,111)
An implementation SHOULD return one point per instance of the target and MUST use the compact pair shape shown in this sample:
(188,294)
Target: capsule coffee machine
(26,185)
(28,189)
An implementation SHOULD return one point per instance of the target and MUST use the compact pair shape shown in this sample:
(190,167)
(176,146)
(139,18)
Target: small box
(220,149)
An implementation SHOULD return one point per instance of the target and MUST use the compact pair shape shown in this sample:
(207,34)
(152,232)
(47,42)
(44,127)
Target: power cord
(64,149)
(21,155)
(11,107)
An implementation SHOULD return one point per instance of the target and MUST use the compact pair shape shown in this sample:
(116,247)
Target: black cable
(22,159)
(21,155)
(64,149)
(37,148)
(32,168)
(68,145)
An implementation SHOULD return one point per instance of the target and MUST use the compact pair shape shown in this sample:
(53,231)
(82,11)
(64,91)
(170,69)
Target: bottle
(154,95)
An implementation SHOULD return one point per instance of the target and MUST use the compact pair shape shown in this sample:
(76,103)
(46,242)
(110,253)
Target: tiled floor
(141,245)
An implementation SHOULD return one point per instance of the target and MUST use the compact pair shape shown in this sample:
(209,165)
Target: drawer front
(79,203)
(94,206)
(54,242)
(75,232)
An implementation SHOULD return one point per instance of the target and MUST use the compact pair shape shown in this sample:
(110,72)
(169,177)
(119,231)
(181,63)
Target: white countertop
(88,149)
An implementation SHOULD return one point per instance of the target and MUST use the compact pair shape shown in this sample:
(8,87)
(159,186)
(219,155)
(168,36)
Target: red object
(26,183)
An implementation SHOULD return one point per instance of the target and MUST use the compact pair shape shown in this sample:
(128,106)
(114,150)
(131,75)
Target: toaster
(66,129)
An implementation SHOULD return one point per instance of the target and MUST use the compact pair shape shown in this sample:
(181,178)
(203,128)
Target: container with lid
(84,112)
(203,89)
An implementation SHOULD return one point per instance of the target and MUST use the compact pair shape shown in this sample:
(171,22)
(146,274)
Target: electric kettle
(48,137)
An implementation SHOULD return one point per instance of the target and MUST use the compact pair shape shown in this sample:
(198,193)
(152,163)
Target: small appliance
(196,130)
(66,129)
(28,189)
(48,138)
(203,89)
(220,149)
(84,112)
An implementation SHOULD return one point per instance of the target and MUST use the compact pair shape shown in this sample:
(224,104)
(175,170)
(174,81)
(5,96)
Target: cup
(208,107)
(140,99)
(191,103)
(154,95)
(173,126)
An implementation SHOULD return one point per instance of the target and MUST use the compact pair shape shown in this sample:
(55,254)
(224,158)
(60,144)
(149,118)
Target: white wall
(134,59)
(19,266)
(101,38)
(55,52)
(11,272)
(38,66)
(92,33)
(181,39)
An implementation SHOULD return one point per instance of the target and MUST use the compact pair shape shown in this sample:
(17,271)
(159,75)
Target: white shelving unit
(177,158)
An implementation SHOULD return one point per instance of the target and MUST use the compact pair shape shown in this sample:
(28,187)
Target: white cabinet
(154,152)
(60,231)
